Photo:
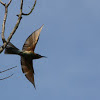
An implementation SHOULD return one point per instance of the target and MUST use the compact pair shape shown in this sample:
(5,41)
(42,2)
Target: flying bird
(27,54)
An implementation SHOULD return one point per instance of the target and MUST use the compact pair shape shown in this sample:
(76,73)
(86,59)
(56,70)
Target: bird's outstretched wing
(27,68)
(32,40)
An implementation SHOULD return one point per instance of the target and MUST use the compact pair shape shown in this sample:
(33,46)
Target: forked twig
(4,4)
(5,17)
(17,23)
(15,28)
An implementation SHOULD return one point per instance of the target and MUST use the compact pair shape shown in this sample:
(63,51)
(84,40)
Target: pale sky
(70,39)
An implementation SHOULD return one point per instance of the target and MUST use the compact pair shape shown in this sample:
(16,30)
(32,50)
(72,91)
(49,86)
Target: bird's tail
(11,49)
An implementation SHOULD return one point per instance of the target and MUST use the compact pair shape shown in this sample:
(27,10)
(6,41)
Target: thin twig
(9,2)
(7,69)
(5,18)
(7,77)
(3,25)
(31,9)
(2,3)
(4,22)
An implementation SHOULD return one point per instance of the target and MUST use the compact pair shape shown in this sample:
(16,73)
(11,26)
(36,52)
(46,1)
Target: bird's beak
(44,56)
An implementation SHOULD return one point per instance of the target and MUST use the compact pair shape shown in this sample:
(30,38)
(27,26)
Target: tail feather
(11,49)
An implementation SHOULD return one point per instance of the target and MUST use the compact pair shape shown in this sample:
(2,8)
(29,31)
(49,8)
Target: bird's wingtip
(42,26)
(34,85)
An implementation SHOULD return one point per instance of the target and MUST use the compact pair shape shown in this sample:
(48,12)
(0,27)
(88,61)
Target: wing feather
(27,68)
(32,40)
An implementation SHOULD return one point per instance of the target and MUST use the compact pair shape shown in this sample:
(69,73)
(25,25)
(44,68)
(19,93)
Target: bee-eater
(27,54)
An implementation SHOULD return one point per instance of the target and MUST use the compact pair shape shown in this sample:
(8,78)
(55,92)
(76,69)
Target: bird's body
(27,54)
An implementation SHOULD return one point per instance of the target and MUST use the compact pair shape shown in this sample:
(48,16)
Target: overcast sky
(70,39)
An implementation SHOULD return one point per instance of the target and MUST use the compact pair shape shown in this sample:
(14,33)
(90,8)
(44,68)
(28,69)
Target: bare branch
(9,3)
(31,9)
(4,22)
(3,25)
(2,3)
(7,69)
(7,77)
(17,23)
(5,18)
(15,28)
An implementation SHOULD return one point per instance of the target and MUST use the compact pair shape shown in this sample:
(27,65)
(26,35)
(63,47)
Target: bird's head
(39,56)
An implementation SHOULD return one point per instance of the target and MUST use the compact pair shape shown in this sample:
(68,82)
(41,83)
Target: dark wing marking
(32,40)
(27,68)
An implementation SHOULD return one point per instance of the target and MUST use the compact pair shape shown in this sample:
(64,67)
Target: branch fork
(5,42)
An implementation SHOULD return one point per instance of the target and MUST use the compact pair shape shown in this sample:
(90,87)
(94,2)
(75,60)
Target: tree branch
(15,28)
(17,23)
(2,3)
(5,17)
(31,9)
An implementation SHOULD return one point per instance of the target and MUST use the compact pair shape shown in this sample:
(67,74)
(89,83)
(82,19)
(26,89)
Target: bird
(27,54)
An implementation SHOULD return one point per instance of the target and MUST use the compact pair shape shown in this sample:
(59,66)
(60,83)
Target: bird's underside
(27,54)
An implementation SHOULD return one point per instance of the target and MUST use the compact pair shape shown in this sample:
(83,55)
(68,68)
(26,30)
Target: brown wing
(27,68)
(32,40)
